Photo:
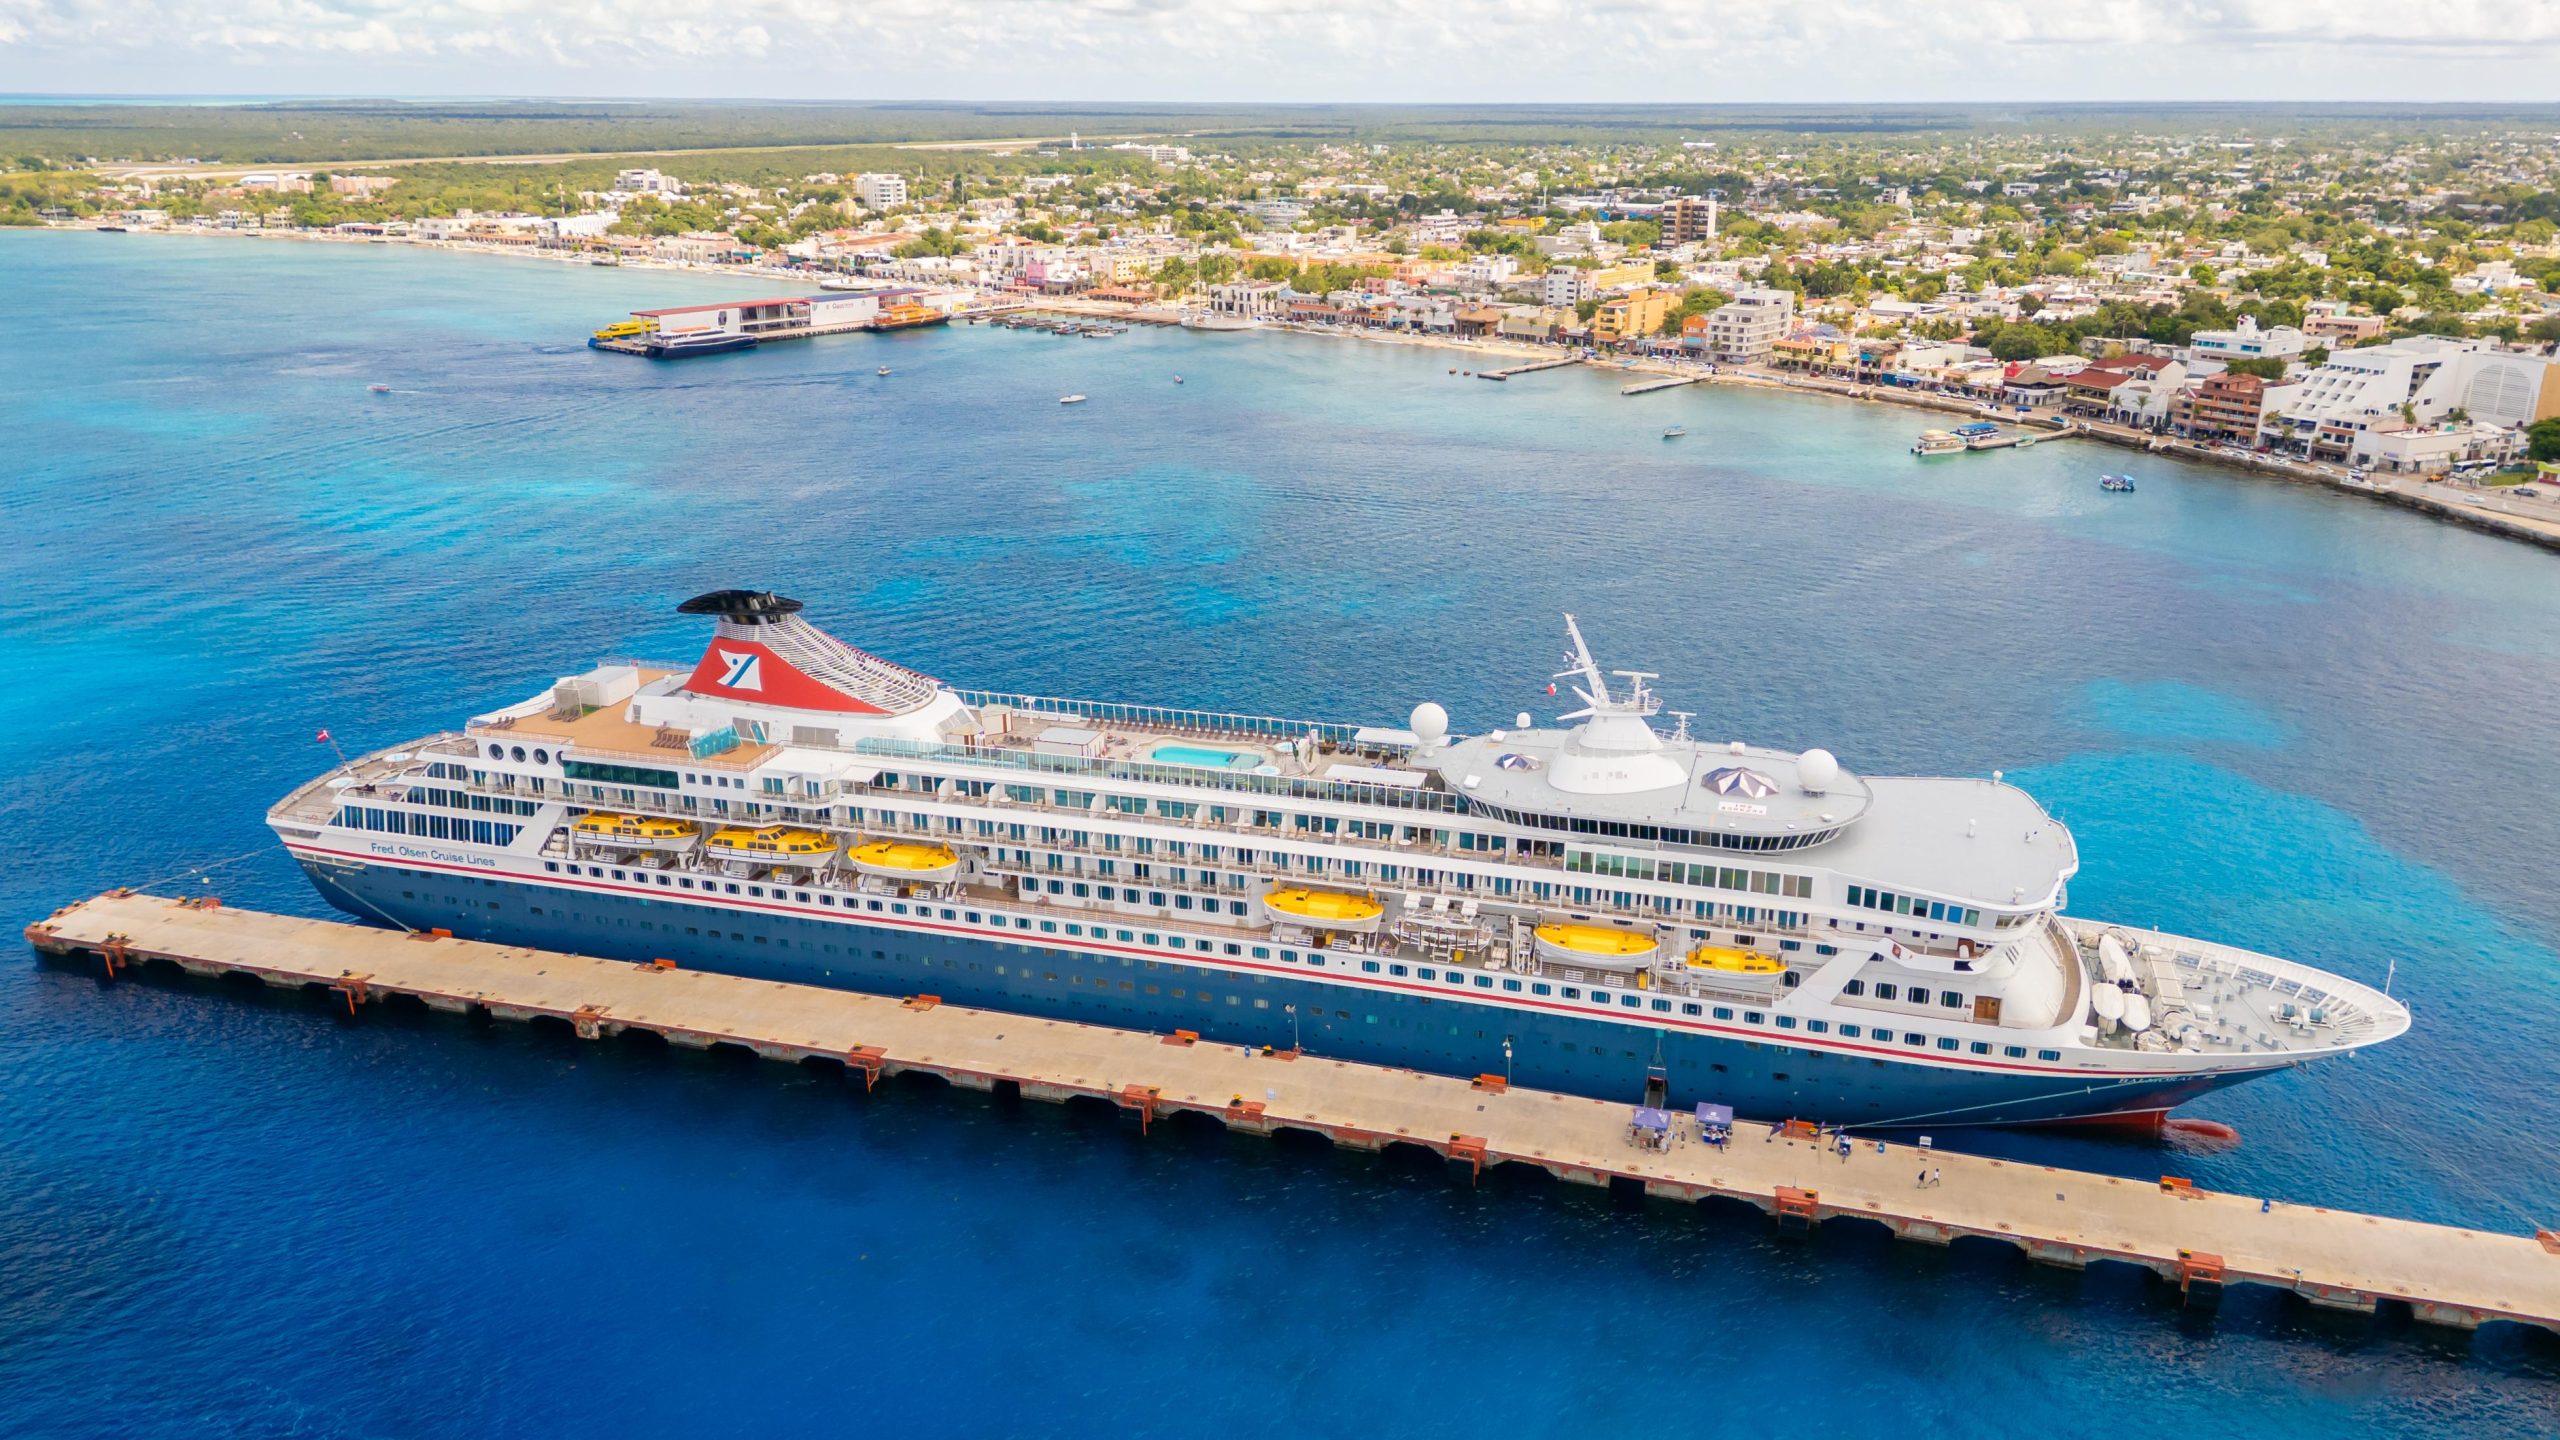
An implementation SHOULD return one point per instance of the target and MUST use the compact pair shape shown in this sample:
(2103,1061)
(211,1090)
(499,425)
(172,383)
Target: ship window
(1662,1006)
(1786,1022)
(1952,1000)
(2014,1052)
(2048,1054)
(1369,966)
(1261,952)
(1755,1017)
(1946,1042)
(551,865)
(1572,993)
(497,752)
(1541,990)
(1851,1032)
(1854,987)
(1724,1012)
(1914,1037)
(756,890)
(1453,978)
(541,757)
(1826,949)
(1511,985)
(1398,970)
(1884,990)
(1632,1002)
(1817,1027)
(1919,994)
(1981,1047)
(1486,983)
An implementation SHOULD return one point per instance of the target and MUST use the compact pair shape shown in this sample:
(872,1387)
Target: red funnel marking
(747,670)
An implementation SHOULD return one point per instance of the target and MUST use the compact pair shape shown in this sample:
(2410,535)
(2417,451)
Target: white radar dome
(1524,721)
(1818,769)
(1430,723)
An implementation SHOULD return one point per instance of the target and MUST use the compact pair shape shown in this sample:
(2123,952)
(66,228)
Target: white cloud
(1634,50)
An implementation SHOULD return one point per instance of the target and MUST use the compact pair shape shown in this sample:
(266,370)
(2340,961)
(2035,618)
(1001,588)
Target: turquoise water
(2295,720)
(1204,757)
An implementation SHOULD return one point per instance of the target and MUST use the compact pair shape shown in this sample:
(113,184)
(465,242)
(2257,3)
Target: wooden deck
(2201,1241)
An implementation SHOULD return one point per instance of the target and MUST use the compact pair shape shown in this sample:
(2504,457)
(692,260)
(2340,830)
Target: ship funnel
(764,653)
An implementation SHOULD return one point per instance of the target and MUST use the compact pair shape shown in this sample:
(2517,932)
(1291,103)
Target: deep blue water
(2294,720)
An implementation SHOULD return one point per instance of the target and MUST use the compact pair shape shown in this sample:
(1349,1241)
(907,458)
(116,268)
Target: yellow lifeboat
(772,845)
(1604,946)
(1325,909)
(646,832)
(1735,962)
(904,860)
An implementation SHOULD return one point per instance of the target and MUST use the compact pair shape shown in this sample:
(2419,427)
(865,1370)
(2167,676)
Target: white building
(1567,286)
(1741,331)
(2397,449)
(647,182)
(2248,342)
(2413,382)
(880,192)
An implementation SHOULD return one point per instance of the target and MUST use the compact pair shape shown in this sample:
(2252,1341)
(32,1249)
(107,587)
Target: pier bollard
(588,1022)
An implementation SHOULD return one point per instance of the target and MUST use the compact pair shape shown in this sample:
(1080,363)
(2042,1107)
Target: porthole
(519,752)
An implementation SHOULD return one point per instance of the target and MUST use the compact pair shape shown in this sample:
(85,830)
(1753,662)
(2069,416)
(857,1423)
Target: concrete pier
(1530,368)
(1668,382)
(2201,1241)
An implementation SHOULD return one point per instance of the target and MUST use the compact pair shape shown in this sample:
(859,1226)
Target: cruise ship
(1589,905)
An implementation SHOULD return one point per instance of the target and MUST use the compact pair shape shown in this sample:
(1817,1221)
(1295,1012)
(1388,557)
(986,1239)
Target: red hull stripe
(1010,935)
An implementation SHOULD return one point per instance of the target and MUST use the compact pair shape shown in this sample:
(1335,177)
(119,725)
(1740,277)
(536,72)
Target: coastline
(2417,494)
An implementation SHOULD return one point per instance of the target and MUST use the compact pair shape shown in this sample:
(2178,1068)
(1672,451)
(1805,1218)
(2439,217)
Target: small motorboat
(1070,399)
(1675,432)
(2119,484)
(884,369)
(379,389)
(1177,379)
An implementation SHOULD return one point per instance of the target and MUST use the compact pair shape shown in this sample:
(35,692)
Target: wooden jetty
(1666,382)
(2198,1240)
(1529,368)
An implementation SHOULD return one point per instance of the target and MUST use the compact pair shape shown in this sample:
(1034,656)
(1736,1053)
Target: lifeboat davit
(1325,909)
(1599,946)
(904,860)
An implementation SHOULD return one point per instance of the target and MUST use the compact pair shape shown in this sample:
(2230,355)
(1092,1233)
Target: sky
(1671,51)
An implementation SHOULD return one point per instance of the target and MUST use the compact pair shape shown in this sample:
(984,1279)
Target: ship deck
(2199,1240)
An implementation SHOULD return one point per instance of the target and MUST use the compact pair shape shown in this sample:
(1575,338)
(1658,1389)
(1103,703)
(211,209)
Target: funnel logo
(742,671)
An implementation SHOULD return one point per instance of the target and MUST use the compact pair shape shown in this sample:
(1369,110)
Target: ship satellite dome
(1430,723)
(1817,769)
(1523,722)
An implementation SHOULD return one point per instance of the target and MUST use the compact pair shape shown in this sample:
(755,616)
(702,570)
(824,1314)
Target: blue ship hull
(1563,1053)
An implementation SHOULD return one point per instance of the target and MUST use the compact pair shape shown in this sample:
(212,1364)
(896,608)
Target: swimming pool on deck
(1205,757)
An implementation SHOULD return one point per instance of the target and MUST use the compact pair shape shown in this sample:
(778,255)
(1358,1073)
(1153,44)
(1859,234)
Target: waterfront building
(647,182)
(2412,381)
(1631,316)
(1745,329)
(2222,407)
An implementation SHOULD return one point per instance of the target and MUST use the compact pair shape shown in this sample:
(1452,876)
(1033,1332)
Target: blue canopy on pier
(1648,1118)
(1717,1117)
